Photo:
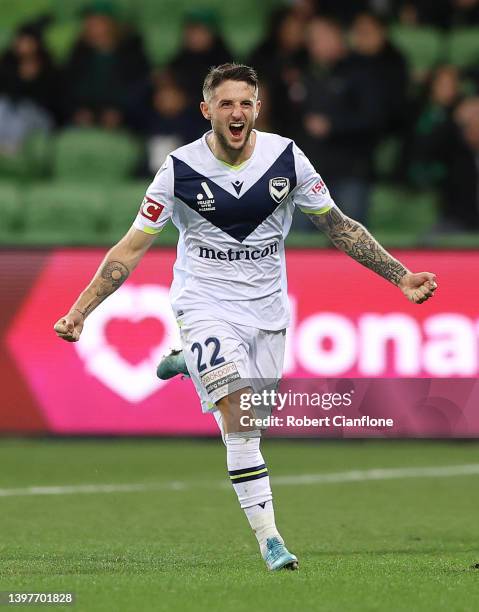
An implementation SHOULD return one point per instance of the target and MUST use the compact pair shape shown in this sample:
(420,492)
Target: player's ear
(205,110)
(258,108)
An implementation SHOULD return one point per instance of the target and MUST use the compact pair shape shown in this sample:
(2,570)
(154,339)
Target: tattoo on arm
(111,276)
(354,239)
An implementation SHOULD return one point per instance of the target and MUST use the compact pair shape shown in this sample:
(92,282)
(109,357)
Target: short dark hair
(228,72)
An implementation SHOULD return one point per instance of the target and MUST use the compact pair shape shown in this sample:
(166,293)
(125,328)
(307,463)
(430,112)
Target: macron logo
(246,254)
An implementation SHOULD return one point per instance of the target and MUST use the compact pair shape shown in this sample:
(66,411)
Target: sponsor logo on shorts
(240,254)
(220,376)
(150,209)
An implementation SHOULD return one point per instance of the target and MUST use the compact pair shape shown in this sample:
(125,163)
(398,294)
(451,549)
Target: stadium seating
(94,154)
(5,35)
(13,166)
(161,41)
(386,157)
(160,13)
(93,198)
(163,36)
(252,17)
(423,47)
(64,213)
(15,12)
(396,210)
(60,38)
(123,203)
(161,21)
(242,42)
(464,47)
(71,10)
(10,208)
(67,212)
(30,162)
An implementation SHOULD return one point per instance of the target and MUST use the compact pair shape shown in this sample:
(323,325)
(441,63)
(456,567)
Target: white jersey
(232,223)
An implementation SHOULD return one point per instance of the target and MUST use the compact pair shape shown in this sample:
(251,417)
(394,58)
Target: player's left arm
(354,239)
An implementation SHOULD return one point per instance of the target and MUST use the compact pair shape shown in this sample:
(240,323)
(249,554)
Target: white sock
(249,476)
(262,523)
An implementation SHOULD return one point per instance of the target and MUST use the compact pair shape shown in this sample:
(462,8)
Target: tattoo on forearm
(354,239)
(112,275)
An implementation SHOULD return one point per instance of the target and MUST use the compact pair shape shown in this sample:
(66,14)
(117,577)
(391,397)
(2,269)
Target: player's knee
(238,416)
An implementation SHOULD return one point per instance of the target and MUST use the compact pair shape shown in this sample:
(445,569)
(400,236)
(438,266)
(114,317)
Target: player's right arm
(115,268)
(122,259)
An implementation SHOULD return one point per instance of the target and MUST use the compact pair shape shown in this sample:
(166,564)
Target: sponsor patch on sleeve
(150,209)
(319,188)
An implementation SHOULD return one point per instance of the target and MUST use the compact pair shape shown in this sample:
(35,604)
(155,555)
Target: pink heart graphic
(134,340)
(125,339)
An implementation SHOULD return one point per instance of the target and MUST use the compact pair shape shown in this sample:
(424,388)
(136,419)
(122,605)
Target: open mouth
(236,129)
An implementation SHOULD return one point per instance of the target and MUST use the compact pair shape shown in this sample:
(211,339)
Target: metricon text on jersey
(241,254)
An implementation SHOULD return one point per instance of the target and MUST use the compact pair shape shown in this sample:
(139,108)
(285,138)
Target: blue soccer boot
(171,365)
(277,556)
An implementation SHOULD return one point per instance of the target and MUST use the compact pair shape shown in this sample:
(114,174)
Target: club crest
(279,188)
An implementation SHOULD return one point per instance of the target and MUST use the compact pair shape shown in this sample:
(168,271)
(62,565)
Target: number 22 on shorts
(215,358)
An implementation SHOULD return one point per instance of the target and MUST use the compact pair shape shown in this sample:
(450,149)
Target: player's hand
(70,326)
(418,287)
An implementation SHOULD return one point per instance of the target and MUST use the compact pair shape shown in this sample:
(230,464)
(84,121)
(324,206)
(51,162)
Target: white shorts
(223,357)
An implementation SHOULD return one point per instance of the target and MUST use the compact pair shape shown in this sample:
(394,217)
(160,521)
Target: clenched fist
(70,326)
(418,287)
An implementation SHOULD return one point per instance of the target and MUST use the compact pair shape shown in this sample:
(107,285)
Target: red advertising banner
(347,323)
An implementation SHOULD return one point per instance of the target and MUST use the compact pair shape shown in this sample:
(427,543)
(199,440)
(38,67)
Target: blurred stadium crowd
(382,95)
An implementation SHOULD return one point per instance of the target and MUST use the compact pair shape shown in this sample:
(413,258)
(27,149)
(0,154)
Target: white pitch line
(95,488)
(379,474)
(291,480)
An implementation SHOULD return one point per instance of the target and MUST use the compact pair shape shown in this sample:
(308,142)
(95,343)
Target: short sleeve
(157,205)
(311,194)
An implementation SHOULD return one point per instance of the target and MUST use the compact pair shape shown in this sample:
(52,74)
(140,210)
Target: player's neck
(231,157)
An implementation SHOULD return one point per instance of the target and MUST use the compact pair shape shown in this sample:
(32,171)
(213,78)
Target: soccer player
(232,194)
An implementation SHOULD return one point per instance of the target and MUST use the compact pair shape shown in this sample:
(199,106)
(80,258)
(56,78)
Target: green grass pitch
(177,540)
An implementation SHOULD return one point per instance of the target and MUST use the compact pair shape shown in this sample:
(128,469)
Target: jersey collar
(225,165)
